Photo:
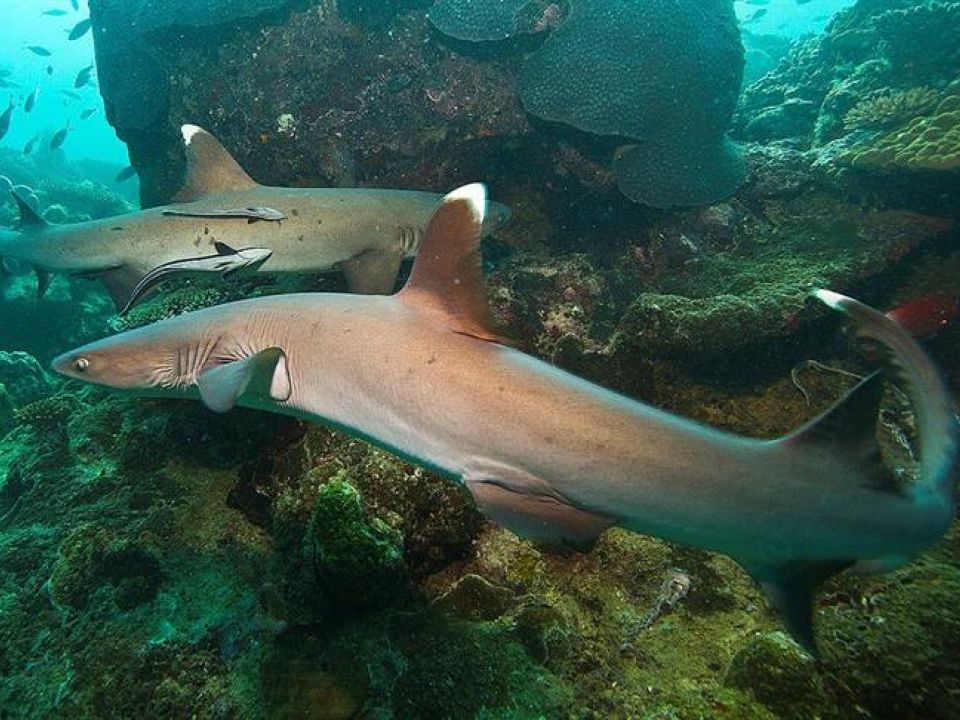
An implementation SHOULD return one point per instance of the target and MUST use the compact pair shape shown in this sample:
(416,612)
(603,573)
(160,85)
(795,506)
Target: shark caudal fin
(938,434)
(210,168)
(848,430)
(447,275)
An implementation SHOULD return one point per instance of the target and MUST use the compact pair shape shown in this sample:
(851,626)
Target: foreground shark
(222,223)
(550,456)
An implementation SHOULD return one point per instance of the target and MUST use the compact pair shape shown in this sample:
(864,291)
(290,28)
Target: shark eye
(81,364)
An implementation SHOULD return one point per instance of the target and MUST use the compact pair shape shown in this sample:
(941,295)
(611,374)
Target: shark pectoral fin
(373,272)
(546,518)
(447,275)
(789,588)
(262,375)
(210,168)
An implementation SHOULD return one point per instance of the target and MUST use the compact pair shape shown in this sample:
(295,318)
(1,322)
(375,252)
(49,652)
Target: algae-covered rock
(776,671)
(23,377)
(358,560)
(91,558)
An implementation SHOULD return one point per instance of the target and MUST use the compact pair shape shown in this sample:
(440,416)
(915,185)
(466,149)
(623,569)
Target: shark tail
(935,491)
(849,429)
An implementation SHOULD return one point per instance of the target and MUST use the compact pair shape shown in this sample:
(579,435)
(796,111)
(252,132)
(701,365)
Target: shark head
(162,359)
(209,353)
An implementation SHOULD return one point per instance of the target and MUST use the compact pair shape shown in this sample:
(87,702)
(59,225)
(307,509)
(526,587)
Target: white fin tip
(830,298)
(475,194)
(188,131)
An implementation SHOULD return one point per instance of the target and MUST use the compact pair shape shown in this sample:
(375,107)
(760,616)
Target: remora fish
(550,456)
(366,233)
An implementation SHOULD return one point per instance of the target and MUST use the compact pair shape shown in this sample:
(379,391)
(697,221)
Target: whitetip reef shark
(550,456)
(223,223)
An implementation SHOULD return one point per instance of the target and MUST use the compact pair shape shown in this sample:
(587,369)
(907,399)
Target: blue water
(788,18)
(24,24)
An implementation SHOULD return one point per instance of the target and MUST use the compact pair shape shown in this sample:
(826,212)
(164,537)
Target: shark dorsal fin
(849,429)
(210,168)
(29,218)
(447,275)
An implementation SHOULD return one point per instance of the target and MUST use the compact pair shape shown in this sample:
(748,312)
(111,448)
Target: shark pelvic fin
(262,375)
(29,218)
(210,168)
(447,275)
(789,589)
(527,506)
(43,281)
(373,272)
(849,429)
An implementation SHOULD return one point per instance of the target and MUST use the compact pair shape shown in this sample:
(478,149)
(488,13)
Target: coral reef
(163,561)
(929,143)
(891,107)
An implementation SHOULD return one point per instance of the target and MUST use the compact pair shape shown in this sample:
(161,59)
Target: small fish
(5,119)
(83,77)
(55,12)
(31,100)
(4,83)
(59,136)
(925,316)
(128,172)
(71,94)
(252,214)
(87,113)
(50,70)
(31,143)
(80,29)
(753,17)
(39,50)
(75,4)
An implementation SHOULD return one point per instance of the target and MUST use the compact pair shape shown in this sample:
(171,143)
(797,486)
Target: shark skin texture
(550,456)
(365,233)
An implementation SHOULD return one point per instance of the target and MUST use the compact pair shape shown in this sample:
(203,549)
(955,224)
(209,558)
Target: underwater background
(680,174)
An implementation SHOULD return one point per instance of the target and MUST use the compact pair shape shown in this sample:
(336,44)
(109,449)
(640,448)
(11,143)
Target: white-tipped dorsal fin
(262,377)
(210,168)
(447,275)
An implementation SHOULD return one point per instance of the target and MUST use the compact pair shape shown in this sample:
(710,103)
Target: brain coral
(925,143)
(663,72)
(485,20)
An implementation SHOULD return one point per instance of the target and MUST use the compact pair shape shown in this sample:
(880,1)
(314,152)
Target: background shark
(224,222)
(550,456)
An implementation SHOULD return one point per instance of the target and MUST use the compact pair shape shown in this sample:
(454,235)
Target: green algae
(358,560)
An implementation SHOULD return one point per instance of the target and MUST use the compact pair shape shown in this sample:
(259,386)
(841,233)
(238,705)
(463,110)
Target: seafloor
(160,561)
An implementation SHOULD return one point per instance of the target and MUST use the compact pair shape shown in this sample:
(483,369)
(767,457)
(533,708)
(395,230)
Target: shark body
(549,455)
(366,233)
